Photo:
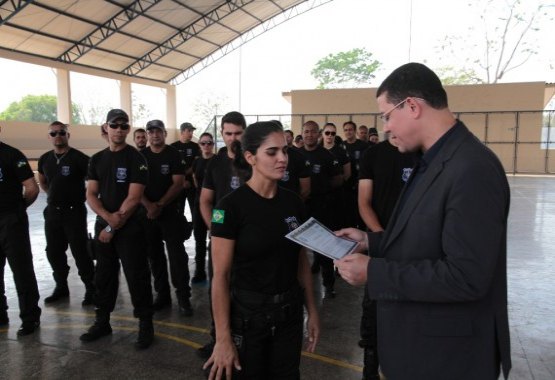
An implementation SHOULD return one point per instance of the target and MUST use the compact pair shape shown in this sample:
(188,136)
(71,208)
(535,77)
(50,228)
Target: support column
(64,95)
(171,109)
(125,99)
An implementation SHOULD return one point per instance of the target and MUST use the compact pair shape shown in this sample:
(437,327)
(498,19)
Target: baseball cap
(152,124)
(372,132)
(115,114)
(188,126)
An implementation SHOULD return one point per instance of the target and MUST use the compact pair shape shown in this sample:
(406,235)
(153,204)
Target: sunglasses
(203,143)
(330,133)
(123,126)
(57,133)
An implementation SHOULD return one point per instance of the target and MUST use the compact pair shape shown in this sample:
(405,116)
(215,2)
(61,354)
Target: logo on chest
(235,182)
(65,171)
(1,175)
(316,169)
(285,177)
(188,152)
(406,174)
(165,169)
(121,174)
(292,223)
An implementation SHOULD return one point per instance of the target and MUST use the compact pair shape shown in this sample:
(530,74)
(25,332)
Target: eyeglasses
(57,133)
(203,143)
(123,126)
(385,116)
(330,133)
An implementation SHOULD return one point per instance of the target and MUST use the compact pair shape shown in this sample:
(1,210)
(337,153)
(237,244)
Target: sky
(280,60)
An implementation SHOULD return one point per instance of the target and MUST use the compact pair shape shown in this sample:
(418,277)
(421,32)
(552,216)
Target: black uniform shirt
(324,166)
(14,169)
(65,175)
(188,150)
(297,167)
(389,170)
(264,260)
(199,169)
(222,177)
(355,150)
(161,167)
(115,171)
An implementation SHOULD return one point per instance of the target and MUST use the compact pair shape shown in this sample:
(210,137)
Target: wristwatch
(108,229)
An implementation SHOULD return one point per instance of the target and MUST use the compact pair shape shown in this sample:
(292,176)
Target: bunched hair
(252,138)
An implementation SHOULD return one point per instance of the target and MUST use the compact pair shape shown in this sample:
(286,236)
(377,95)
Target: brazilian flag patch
(218,216)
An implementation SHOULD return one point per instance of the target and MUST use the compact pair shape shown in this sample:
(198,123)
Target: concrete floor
(55,350)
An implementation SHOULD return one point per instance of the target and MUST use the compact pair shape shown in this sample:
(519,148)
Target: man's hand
(115,220)
(357,235)
(105,237)
(353,268)
(153,210)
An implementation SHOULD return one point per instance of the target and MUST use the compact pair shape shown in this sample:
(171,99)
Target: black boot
(61,291)
(146,334)
(185,307)
(100,328)
(371,365)
(88,299)
(162,301)
(200,275)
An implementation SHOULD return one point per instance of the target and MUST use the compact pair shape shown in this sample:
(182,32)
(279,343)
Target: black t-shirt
(324,166)
(65,176)
(389,170)
(264,260)
(189,151)
(222,177)
(14,169)
(161,167)
(355,150)
(114,171)
(199,169)
(297,167)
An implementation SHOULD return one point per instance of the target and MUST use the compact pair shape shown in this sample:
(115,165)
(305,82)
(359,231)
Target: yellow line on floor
(322,358)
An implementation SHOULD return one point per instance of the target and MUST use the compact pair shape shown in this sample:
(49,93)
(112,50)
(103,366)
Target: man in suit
(438,271)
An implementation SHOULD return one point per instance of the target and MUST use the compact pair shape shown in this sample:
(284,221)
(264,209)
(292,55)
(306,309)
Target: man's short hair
(363,127)
(138,130)
(414,80)
(310,123)
(349,122)
(290,132)
(235,118)
(58,123)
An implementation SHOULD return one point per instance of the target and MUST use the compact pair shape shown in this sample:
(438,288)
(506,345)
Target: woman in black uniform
(206,142)
(261,279)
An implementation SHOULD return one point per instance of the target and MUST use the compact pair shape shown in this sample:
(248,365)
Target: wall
(488,110)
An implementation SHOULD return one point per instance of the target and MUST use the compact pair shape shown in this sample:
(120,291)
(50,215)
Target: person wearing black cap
(62,174)
(189,151)
(117,178)
(162,217)
(18,190)
(373,137)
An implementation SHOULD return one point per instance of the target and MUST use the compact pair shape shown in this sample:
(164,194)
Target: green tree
(346,68)
(505,39)
(38,108)
(450,75)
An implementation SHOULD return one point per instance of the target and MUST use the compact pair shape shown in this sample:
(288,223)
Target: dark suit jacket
(439,270)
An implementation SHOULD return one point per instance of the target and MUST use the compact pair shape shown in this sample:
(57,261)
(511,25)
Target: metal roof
(164,41)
